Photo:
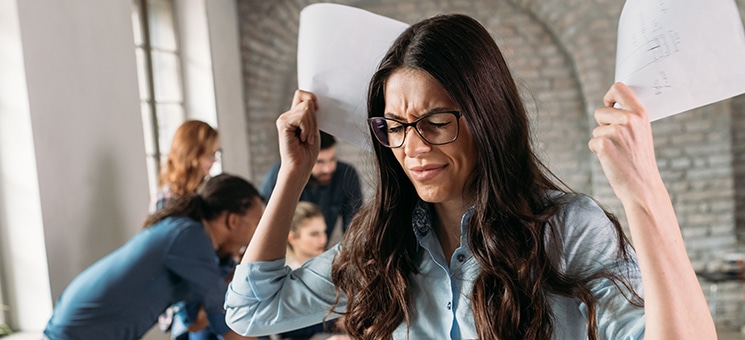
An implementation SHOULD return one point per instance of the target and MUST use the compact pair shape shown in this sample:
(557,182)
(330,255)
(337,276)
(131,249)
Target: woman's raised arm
(675,307)
(299,143)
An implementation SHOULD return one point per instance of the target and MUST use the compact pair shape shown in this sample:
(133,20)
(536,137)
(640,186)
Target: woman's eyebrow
(438,109)
(392,116)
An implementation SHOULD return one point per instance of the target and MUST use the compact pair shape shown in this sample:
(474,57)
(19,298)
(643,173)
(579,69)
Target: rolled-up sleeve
(590,244)
(267,298)
(617,318)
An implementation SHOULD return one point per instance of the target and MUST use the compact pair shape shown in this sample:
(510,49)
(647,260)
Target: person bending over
(171,259)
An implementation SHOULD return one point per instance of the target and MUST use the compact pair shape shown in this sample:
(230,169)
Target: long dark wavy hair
(223,192)
(512,206)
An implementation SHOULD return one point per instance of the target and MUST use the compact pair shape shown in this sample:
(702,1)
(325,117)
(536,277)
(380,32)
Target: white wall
(21,230)
(222,19)
(87,138)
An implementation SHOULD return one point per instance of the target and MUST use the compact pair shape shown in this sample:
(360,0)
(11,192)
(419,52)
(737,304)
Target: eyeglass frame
(413,124)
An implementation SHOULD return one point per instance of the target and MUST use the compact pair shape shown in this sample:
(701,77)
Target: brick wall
(562,53)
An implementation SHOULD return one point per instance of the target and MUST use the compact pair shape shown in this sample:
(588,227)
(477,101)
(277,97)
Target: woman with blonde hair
(307,238)
(194,149)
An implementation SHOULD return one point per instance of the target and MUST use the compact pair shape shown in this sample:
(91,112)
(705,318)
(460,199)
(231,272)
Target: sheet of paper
(677,55)
(339,48)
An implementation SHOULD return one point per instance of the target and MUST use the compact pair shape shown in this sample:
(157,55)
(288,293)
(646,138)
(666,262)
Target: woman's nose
(414,144)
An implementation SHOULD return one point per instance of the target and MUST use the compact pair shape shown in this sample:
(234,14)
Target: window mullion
(147,48)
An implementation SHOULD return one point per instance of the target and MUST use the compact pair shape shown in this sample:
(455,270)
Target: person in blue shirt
(333,185)
(467,235)
(174,258)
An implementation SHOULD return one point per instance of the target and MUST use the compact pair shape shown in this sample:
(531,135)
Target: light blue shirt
(268,298)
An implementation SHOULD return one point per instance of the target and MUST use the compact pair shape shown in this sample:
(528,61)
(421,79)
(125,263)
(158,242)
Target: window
(159,74)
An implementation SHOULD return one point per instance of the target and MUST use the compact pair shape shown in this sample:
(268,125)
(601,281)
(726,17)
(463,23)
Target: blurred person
(171,259)
(307,238)
(194,149)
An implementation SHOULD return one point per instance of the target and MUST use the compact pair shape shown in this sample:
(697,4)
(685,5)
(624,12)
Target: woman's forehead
(414,92)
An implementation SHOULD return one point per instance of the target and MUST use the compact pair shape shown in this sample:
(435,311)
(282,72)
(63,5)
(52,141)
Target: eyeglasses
(435,128)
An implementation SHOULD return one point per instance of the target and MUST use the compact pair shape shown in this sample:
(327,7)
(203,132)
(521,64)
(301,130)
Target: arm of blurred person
(675,307)
(353,196)
(201,322)
(270,180)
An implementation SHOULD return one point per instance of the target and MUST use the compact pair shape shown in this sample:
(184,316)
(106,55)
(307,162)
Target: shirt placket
(446,304)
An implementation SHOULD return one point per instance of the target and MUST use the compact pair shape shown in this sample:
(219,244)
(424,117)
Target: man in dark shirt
(334,186)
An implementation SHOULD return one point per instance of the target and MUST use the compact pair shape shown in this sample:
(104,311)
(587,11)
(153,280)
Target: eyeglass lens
(436,129)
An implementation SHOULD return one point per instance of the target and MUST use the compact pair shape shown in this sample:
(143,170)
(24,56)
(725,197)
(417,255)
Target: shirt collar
(421,220)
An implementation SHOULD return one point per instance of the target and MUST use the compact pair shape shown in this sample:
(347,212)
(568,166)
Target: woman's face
(209,158)
(439,172)
(310,238)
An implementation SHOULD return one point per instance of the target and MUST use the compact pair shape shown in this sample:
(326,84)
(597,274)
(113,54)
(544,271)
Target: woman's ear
(233,220)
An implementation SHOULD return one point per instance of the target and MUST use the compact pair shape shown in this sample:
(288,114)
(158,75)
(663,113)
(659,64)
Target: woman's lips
(425,173)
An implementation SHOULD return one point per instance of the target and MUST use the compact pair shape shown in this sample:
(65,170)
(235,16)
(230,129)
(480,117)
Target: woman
(172,258)
(194,149)
(467,237)
(307,238)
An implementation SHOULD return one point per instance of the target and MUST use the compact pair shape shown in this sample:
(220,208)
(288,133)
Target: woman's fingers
(623,142)
(301,116)
(298,132)
(300,120)
(307,124)
(301,96)
(622,118)
(609,115)
(621,96)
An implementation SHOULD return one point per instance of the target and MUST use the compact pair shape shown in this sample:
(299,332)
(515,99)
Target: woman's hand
(624,145)
(299,135)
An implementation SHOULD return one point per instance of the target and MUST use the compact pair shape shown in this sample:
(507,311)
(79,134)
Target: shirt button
(450,305)
(461,257)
